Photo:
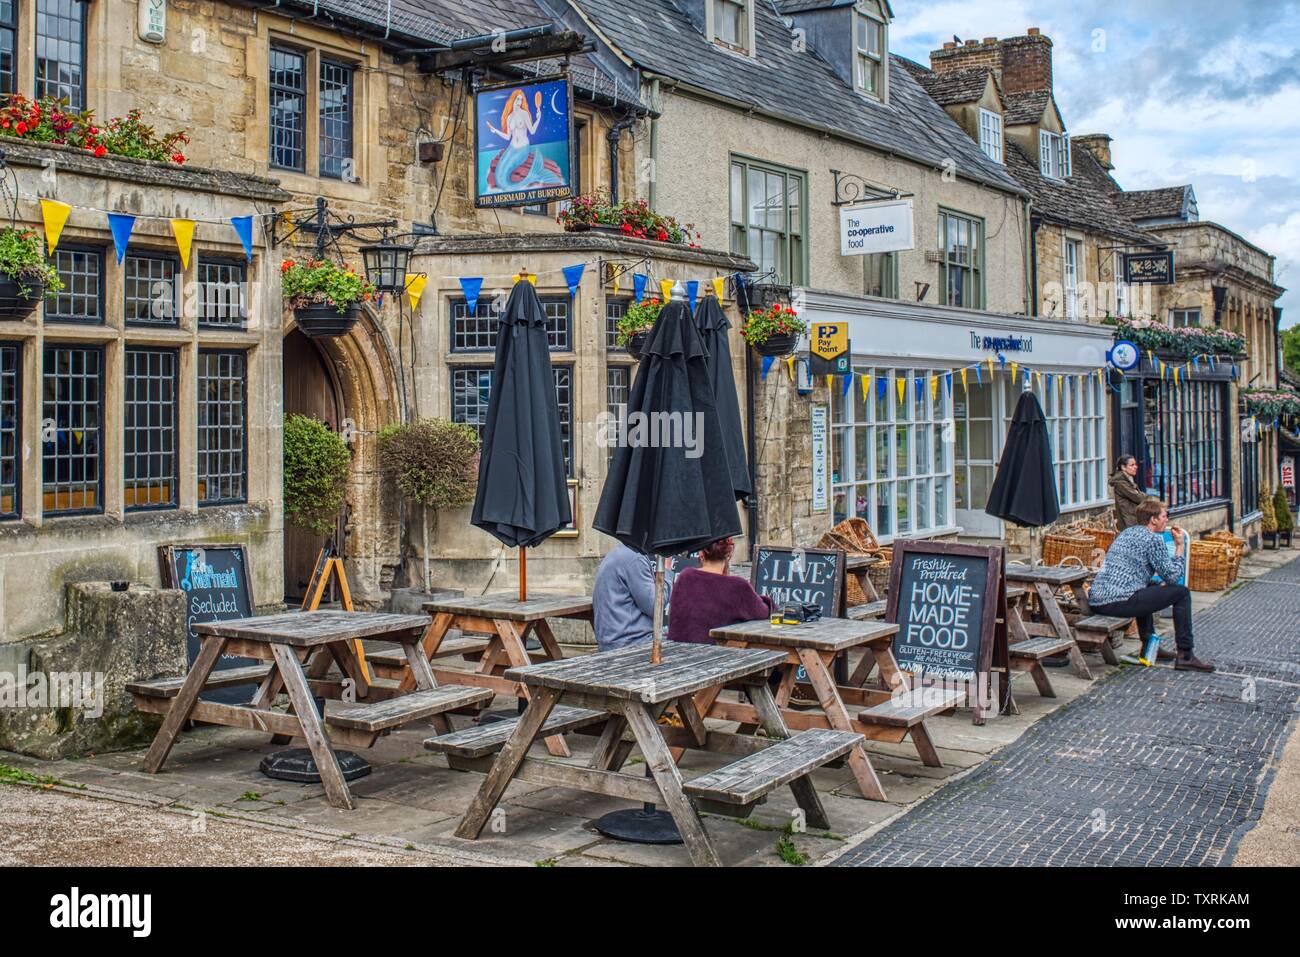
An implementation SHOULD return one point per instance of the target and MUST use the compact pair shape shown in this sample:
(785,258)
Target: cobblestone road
(1154,767)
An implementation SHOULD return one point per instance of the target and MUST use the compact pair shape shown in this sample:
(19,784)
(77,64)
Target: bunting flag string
(243,226)
(719,286)
(692,291)
(865,381)
(471,286)
(638,286)
(121,225)
(573,277)
(767,364)
(55,216)
(415,283)
(666,287)
(183,230)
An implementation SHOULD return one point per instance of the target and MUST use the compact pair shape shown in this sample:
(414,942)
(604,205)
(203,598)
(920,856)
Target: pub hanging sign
(1154,269)
(523,143)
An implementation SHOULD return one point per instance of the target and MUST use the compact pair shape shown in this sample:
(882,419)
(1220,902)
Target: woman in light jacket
(1123,485)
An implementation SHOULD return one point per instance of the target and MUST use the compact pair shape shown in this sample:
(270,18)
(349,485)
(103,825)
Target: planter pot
(636,344)
(1284,539)
(776,346)
(323,321)
(13,304)
(577,227)
(1269,539)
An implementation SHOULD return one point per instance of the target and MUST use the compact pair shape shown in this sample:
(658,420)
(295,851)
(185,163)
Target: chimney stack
(1098,144)
(1022,64)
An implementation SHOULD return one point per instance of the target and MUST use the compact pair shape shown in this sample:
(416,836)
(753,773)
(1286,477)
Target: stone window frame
(559,329)
(58,486)
(156,257)
(348,77)
(1174,315)
(96,254)
(165,409)
(201,476)
(314,54)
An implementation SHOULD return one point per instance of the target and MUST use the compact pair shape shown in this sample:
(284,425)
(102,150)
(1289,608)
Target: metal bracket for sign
(328,226)
(852,188)
(610,271)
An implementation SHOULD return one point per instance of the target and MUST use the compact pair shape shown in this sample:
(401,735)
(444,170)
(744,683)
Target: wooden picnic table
(622,691)
(287,642)
(507,623)
(891,713)
(1046,583)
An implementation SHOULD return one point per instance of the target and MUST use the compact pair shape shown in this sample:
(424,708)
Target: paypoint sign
(829,345)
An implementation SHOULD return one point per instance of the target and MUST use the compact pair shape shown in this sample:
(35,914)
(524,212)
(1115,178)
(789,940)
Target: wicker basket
(1102,537)
(879,574)
(1058,546)
(1236,549)
(854,537)
(1207,566)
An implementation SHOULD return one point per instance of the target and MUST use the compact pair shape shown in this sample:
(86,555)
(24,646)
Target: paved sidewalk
(1154,767)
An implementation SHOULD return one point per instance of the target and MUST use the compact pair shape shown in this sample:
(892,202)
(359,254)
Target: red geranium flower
(101,150)
(21,128)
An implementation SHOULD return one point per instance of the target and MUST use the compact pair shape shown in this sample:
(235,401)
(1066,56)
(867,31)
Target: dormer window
(869,54)
(729,23)
(991,134)
(1054,154)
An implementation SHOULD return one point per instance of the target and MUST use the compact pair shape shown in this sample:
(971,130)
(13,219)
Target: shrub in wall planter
(773,331)
(25,273)
(632,218)
(48,120)
(1147,334)
(325,297)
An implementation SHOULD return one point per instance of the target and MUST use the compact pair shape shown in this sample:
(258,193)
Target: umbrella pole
(656,645)
(523,574)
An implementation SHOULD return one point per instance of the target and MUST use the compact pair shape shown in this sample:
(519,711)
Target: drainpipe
(613,135)
(1031,261)
(654,141)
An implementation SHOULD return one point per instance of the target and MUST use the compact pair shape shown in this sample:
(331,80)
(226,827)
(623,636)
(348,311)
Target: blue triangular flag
(1211,363)
(573,276)
(947,380)
(638,285)
(244,230)
(471,286)
(881,386)
(848,384)
(692,290)
(1002,361)
(978,378)
(121,224)
(918,388)
(767,364)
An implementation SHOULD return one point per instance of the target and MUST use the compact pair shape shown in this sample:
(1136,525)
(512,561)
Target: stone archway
(363,367)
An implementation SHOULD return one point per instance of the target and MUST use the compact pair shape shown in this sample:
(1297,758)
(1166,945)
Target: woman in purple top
(709,597)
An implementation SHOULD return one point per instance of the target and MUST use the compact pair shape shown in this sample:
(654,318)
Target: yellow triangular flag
(415,288)
(1013,373)
(830,384)
(865,382)
(666,287)
(990,367)
(616,275)
(901,383)
(963,381)
(1176,371)
(789,367)
(55,215)
(183,230)
(719,286)
(523,275)
(934,388)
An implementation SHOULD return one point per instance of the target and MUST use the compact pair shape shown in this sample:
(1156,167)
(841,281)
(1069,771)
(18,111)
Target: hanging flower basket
(773,331)
(324,321)
(633,327)
(18,300)
(635,343)
(326,298)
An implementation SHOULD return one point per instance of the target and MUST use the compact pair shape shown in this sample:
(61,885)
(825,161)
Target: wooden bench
(393,712)
(1094,633)
(395,658)
(224,678)
(872,609)
(480,740)
(910,708)
(735,788)
(1027,656)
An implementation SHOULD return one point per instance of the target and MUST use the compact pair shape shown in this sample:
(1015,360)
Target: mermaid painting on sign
(523,136)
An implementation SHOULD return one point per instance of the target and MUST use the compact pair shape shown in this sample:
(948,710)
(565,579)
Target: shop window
(477,332)
(61,51)
(890,461)
(767,220)
(1076,428)
(222,427)
(149,428)
(288,91)
(11,355)
(1249,475)
(471,390)
(1182,441)
(73,414)
(152,290)
(961,272)
(8,46)
(82,298)
(222,291)
(615,309)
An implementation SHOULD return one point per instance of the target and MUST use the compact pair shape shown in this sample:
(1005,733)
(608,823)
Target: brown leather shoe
(1162,655)
(1192,663)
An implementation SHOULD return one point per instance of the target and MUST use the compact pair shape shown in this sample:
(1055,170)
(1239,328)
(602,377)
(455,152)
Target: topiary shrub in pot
(434,463)
(1268,521)
(1282,515)
(26,274)
(316,461)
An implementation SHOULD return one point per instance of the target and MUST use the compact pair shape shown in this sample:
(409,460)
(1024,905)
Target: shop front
(917,435)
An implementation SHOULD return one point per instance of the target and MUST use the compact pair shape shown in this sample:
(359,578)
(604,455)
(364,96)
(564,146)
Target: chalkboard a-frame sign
(805,576)
(217,587)
(947,600)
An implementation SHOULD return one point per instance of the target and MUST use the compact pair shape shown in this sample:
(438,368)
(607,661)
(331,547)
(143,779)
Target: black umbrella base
(297,765)
(639,826)
(1057,661)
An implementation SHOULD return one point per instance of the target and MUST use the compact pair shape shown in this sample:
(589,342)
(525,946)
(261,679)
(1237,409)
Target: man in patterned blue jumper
(1123,587)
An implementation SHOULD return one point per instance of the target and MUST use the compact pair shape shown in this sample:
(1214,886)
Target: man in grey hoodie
(623,598)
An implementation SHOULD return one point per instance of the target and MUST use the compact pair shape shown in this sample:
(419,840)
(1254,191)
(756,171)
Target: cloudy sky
(1192,91)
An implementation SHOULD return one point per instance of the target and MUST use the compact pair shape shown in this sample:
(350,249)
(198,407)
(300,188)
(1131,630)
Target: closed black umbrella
(1024,490)
(712,323)
(522,495)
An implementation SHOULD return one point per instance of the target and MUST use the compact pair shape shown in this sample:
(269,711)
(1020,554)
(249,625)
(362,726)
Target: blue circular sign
(1124,355)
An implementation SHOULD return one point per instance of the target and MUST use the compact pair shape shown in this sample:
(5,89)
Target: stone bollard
(65,694)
